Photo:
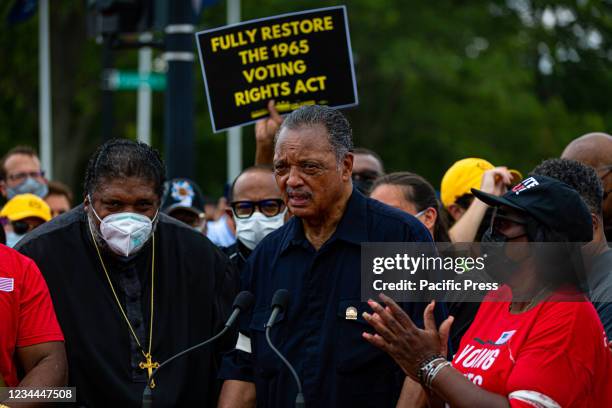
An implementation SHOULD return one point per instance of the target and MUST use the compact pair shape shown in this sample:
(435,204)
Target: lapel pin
(351,313)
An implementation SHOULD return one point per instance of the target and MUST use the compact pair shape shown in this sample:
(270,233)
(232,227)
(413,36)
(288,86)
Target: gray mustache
(298,192)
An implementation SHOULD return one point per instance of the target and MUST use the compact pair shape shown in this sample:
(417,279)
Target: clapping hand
(399,337)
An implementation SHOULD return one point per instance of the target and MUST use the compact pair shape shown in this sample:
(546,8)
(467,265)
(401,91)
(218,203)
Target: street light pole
(107,108)
(44,104)
(234,135)
(179,143)
(144,90)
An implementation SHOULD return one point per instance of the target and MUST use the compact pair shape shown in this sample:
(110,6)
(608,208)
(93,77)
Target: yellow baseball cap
(24,206)
(464,175)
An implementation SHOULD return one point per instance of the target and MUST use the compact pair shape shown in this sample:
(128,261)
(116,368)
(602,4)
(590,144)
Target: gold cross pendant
(149,365)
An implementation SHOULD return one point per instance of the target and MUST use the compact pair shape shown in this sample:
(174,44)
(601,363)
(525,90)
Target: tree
(511,81)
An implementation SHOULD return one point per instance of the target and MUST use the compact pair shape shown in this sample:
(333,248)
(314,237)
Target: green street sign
(132,80)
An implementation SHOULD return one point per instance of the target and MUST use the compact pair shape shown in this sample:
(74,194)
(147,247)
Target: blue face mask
(29,185)
(12,239)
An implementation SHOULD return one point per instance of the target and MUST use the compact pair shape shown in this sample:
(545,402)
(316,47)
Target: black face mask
(498,266)
(485,224)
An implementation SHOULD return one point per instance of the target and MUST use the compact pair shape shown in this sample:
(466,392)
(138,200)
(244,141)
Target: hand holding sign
(298,59)
(265,130)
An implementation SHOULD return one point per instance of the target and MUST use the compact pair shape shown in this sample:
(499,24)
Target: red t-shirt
(555,352)
(26,312)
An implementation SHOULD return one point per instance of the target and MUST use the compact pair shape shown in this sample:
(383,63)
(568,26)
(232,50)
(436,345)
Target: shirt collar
(351,228)
(242,249)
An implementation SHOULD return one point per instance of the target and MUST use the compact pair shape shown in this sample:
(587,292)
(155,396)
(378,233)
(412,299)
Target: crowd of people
(97,293)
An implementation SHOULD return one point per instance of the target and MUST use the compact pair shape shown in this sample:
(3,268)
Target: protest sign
(296,59)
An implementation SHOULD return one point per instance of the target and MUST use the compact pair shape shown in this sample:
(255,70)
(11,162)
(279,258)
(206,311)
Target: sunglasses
(501,221)
(269,207)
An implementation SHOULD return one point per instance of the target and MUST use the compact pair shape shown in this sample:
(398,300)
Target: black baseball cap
(184,194)
(550,202)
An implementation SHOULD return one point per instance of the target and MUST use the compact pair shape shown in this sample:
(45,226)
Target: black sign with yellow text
(296,59)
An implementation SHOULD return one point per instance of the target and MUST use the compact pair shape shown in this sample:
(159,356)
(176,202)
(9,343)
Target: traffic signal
(119,16)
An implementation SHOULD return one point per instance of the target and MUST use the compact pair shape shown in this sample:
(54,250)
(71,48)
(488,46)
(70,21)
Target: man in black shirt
(257,208)
(132,286)
(316,256)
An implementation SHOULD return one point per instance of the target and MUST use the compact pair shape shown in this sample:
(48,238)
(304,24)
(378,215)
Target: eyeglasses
(24,175)
(269,207)
(501,223)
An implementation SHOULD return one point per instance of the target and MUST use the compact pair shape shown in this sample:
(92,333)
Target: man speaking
(316,257)
(132,286)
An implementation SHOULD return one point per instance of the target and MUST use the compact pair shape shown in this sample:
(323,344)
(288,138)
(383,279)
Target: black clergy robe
(194,287)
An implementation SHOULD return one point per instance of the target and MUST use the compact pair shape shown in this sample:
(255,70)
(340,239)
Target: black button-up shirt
(318,333)
(237,254)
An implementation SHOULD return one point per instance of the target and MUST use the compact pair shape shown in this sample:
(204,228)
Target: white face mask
(250,231)
(12,239)
(125,233)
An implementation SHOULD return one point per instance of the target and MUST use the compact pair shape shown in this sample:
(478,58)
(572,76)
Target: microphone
(279,303)
(243,302)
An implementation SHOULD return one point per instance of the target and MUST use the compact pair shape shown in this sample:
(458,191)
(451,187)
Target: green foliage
(512,81)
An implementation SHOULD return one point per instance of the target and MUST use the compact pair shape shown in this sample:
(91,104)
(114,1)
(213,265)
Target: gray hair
(340,134)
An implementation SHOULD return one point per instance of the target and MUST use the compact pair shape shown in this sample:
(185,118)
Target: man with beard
(132,286)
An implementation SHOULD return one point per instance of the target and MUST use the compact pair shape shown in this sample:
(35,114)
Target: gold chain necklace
(148,364)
